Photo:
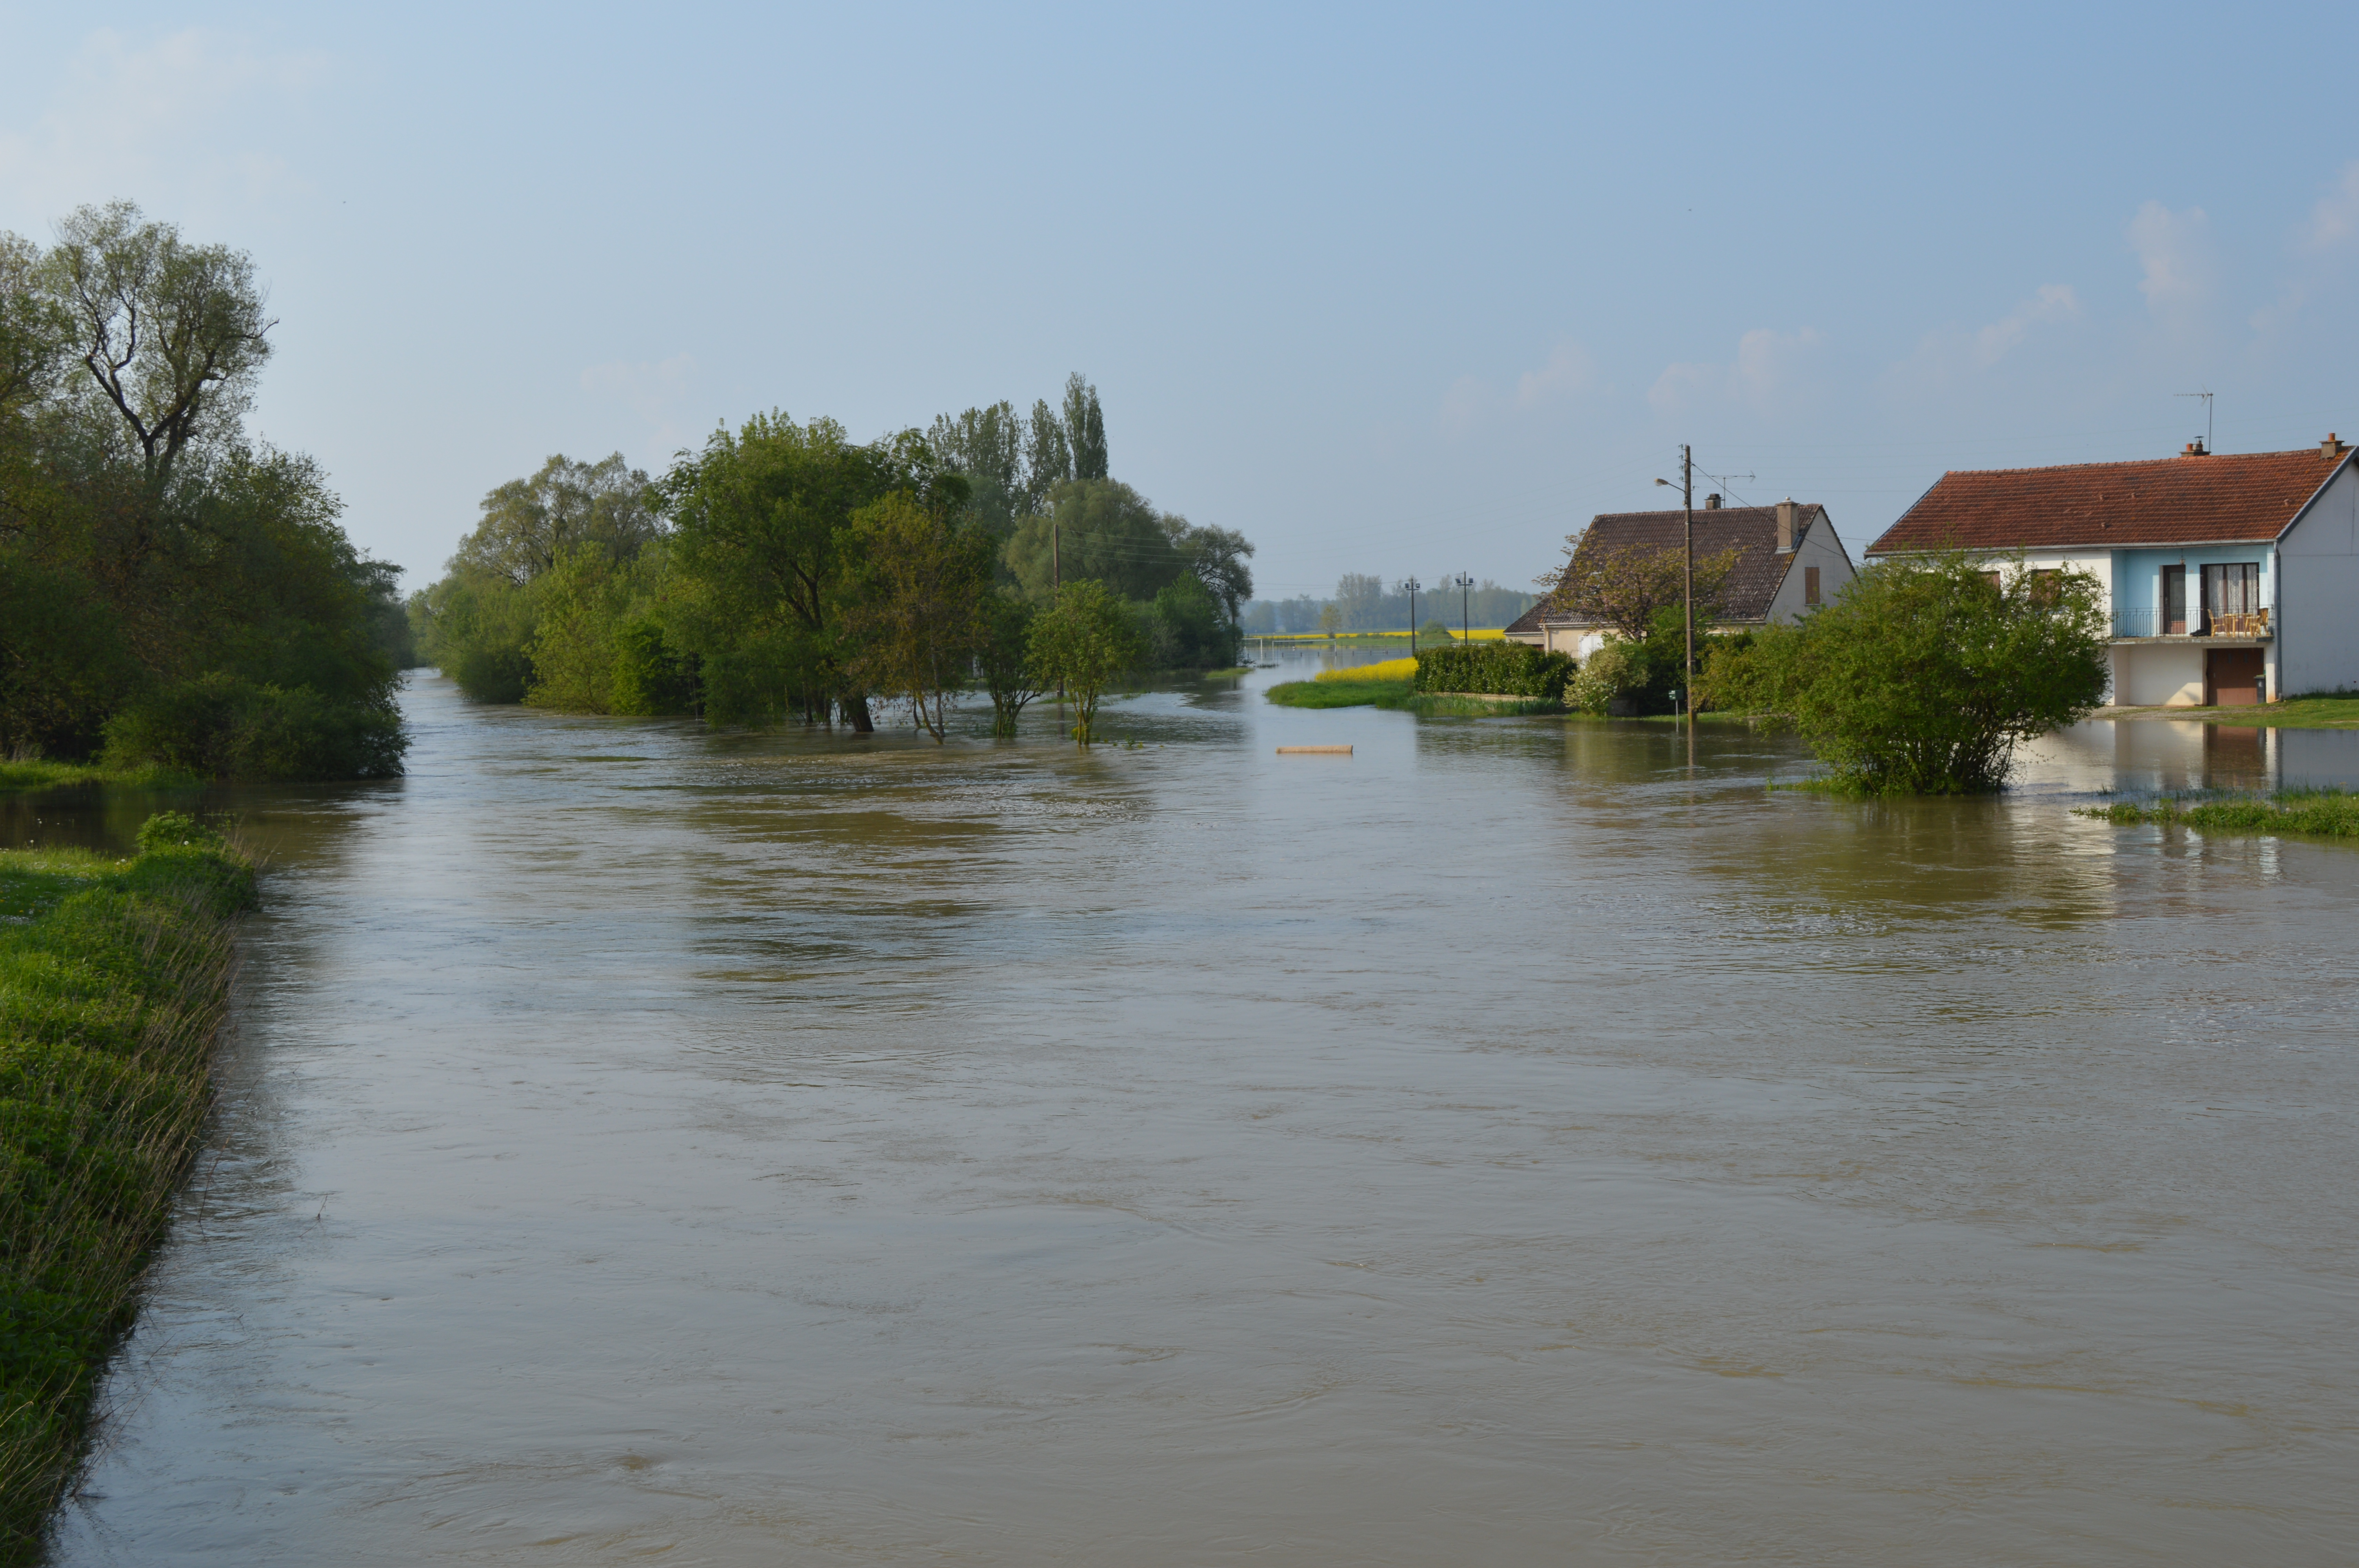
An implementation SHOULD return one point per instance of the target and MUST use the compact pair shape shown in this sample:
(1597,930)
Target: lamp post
(1413,585)
(1465,587)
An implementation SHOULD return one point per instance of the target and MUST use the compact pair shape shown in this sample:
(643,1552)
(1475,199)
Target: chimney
(1712,504)
(2332,448)
(2195,449)
(1785,510)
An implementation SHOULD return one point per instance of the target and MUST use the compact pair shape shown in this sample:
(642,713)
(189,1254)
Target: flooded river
(1516,1142)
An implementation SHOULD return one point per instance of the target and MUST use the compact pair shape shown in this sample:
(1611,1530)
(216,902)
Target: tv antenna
(2207,414)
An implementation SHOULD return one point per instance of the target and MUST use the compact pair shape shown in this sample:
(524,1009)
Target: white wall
(1818,548)
(2317,623)
(2166,676)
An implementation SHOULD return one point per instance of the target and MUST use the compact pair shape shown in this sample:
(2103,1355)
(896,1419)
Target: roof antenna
(2207,414)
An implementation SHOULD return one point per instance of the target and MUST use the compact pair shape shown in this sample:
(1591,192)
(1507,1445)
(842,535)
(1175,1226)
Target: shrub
(1612,672)
(1923,676)
(176,830)
(1495,669)
(219,725)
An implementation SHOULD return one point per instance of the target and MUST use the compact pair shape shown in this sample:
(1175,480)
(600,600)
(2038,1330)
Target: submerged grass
(2314,812)
(2319,711)
(16,777)
(113,979)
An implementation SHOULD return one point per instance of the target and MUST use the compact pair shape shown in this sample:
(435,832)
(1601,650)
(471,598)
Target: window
(2233,588)
(2043,584)
(1810,585)
(1995,580)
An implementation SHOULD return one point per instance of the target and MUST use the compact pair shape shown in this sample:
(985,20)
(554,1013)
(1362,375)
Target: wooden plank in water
(1314,750)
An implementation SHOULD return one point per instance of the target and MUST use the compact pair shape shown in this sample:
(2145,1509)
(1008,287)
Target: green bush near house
(1925,675)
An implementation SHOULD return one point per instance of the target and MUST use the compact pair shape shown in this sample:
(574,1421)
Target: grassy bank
(113,976)
(2315,813)
(17,777)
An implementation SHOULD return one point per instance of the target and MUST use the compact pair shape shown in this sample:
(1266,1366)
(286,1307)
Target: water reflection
(1512,1143)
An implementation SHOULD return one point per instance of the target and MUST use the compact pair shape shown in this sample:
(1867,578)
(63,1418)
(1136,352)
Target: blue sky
(1390,290)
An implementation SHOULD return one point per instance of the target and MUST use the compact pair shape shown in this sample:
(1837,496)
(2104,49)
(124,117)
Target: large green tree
(762,520)
(1097,530)
(529,522)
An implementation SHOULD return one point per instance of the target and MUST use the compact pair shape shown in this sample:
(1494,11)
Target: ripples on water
(1510,1144)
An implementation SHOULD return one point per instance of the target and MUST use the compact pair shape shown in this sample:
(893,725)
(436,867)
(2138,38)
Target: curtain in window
(2233,588)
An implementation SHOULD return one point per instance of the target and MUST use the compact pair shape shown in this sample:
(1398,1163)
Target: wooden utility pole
(1686,504)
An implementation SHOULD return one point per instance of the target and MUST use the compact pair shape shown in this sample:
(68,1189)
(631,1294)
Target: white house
(2228,578)
(1788,562)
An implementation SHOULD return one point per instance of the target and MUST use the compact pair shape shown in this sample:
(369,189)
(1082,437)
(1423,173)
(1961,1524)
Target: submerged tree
(915,615)
(1925,675)
(1084,638)
(1005,658)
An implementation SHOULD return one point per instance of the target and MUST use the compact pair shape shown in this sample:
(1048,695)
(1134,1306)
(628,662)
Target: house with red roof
(2229,578)
(1788,562)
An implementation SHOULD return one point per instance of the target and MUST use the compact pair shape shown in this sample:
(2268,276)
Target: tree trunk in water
(855,710)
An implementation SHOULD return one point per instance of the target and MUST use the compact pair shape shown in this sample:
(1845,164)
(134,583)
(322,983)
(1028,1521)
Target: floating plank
(1314,750)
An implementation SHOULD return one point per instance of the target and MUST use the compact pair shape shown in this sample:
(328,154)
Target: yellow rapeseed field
(1391,669)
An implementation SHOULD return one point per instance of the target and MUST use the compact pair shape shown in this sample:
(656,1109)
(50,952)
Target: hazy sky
(1389,290)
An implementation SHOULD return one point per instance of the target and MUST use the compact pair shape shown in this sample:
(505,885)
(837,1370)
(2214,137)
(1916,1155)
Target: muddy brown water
(1514,1143)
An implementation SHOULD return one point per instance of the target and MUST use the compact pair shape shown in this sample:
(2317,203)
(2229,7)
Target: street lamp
(1464,584)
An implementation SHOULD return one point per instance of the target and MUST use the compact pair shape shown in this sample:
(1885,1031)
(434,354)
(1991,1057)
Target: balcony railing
(2147,623)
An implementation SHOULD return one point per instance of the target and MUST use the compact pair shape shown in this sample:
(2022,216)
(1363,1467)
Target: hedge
(1494,669)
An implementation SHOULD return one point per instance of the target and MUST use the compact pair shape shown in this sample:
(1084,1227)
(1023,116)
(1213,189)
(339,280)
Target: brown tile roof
(2170,500)
(1529,622)
(1751,530)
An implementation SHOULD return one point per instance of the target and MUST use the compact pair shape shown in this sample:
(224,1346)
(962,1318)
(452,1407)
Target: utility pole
(1465,587)
(1413,586)
(1686,504)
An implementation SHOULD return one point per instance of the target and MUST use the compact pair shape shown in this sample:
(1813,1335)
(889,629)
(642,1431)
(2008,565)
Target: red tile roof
(2173,501)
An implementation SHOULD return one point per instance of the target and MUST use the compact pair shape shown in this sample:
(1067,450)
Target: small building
(2227,579)
(1788,562)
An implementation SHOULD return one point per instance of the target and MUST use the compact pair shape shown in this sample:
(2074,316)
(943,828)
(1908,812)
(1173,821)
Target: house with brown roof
(2228,578)
(1788,562)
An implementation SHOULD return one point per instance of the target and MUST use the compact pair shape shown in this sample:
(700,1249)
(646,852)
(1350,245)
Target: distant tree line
(1362,603)
(785,571)
(172,590)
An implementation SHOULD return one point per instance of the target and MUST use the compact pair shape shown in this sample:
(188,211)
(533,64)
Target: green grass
(1340,694)
(2312,813)
(16,777)
(113,977)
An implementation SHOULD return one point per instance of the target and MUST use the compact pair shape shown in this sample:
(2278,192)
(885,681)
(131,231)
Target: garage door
(2232,677)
